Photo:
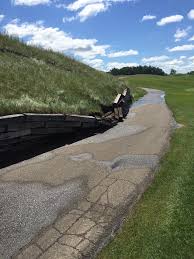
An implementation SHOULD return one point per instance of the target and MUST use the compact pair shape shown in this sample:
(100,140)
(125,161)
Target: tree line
(137,70)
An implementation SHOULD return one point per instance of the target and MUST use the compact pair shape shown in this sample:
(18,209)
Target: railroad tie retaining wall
(17,128)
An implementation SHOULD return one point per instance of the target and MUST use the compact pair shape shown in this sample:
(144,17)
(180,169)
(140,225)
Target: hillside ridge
(44,81)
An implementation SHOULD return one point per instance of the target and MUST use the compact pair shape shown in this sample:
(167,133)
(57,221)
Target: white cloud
(92,52)
(192,38)
(91,10)
(170,19)
(181,34)
(112,65)
(180,65)
(182,57)
(88,8)
(2,16)
(181,48)
(69,19)
(15,21)
(174,62)
(186,68)
(148,17)
(130,52)
(87,12)
(79,4)
(55,39)
(191,14)
(155,59)
(95,63)
(30,2)
(191,58)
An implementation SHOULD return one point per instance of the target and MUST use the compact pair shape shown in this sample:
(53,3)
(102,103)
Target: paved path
(66,203)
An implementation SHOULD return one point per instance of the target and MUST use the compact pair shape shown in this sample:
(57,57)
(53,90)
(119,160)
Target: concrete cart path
(66,203)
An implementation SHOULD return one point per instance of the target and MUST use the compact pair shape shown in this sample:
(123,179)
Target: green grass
(43,81)
(162,223)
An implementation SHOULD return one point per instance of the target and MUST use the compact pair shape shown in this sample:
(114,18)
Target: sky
(107,33)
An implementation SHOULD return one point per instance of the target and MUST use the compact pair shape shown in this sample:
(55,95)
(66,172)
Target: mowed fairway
(162,224)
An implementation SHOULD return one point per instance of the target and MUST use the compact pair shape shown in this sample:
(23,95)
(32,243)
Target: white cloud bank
(181,64)
(56,39)
(85,9)
(30,2)
(170,19)
(191,14)
(2,16)
(127,53)
(148,17)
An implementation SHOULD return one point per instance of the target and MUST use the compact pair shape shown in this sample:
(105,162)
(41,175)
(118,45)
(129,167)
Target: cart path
(67,202)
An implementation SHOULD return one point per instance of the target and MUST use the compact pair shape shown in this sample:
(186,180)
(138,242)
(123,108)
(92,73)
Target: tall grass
(43,81)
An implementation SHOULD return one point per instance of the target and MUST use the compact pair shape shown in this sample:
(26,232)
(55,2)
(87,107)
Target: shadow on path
(31,148)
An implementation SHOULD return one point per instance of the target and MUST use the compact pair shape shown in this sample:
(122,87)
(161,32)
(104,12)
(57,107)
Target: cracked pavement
(67,203)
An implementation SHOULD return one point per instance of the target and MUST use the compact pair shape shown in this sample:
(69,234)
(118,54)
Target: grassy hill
(42,81)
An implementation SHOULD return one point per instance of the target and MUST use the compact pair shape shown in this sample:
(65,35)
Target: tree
(191,73)
(173,72)
(138,70)
(114,72)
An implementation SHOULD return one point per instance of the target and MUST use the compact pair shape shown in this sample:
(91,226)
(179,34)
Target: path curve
(68,202)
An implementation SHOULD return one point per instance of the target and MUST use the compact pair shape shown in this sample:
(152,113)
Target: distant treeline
(137,70)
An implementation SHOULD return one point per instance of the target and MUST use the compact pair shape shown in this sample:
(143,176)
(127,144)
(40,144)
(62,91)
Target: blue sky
(107,33)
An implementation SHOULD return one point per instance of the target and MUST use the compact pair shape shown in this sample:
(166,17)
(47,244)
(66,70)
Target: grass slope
(162,224)
(37,80)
